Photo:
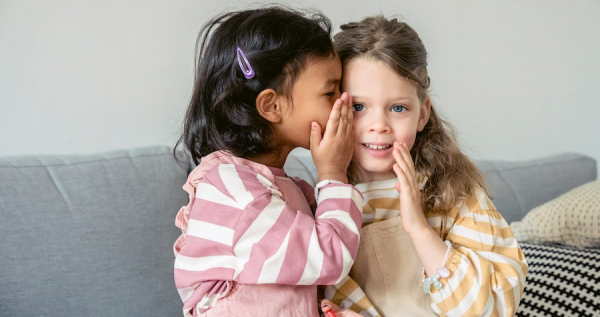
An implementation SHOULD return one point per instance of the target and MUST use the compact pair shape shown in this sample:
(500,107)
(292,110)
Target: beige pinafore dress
(388,270)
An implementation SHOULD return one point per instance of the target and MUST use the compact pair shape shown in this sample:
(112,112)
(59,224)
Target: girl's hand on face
(333,151)
(411,209)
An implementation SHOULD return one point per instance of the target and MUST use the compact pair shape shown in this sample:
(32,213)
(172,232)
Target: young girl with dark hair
(432,242)
(255,242)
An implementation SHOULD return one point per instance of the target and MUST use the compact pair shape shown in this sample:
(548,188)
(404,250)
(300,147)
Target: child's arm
(280,245)
(241,229)
(487,267)
(252,236)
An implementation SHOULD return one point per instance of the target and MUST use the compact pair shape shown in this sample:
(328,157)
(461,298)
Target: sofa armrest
(90,235)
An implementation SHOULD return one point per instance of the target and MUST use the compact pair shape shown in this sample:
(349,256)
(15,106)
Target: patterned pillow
(571,219)
(562,281)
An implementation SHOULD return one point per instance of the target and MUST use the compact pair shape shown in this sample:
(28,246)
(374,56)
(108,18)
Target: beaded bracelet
(322,184)
(441,272)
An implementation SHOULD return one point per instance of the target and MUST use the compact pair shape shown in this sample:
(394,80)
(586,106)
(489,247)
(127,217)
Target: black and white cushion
(562,281)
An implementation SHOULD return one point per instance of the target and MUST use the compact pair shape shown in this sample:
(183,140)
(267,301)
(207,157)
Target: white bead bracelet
(322,184)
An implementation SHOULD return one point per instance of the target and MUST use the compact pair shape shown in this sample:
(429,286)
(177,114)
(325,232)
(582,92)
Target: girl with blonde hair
(432,242)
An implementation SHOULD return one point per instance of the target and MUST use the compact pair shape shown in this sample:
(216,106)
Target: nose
(378,123)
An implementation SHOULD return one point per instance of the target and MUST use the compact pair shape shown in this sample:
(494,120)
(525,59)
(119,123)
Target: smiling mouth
(377,147)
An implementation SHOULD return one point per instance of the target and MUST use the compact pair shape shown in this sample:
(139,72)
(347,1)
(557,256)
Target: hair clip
(248,71)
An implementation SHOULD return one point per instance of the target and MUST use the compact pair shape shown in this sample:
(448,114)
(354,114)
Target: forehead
(321,71)
(368,77)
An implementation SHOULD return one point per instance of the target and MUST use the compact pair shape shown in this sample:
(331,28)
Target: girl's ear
(267,104)
(424,115)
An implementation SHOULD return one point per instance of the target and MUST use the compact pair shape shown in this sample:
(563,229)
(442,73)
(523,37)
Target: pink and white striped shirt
(247,223)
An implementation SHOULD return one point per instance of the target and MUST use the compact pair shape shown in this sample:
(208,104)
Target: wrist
(340,177)
(322,184)
(441,272)
(430,249)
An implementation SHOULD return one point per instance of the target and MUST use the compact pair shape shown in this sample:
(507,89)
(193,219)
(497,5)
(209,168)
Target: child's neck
(272,159)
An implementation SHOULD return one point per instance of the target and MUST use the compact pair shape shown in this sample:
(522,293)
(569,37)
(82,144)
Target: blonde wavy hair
(452,177)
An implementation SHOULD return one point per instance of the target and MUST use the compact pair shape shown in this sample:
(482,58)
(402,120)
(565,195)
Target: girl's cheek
(412,142)
(408,137)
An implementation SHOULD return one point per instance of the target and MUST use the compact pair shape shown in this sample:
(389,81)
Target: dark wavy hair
(436,154)
(278,41)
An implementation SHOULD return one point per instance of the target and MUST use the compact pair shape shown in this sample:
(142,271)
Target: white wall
(518,79)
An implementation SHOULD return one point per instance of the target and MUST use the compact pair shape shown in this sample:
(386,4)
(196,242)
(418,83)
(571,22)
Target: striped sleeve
(276,241)
(488,268)
(348,294)
(241,229)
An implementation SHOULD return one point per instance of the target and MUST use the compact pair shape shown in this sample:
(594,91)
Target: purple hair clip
(248,71)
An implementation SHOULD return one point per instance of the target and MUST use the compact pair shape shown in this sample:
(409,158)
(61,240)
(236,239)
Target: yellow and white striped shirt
(487,266)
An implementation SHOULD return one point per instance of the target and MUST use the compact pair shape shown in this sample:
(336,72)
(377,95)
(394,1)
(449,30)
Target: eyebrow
(395,99)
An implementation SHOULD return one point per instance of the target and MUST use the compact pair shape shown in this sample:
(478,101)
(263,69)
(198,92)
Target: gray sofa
(92,235)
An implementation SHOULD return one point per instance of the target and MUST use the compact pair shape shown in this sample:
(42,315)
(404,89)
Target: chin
(372,173)
(377,168)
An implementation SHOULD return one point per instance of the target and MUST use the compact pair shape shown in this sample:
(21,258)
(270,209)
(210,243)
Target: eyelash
(402,107)
(330,94)
(362,107)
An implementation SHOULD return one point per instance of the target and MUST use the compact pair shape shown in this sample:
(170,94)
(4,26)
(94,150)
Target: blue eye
(398,108)
(358,107)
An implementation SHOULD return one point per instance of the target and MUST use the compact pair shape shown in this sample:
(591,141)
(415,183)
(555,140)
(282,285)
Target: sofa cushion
(90,235)
(570,219)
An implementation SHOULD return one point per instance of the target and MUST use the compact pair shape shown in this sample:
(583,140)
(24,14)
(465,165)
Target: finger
(400,160)
(334,119)
(398,171)
(396,153)
(403,186)
(350,126)
(403,158)
(328,306)
(401,178)
(315,137)
(412,173)
(408,191)
(344,100)
(343,115)
(406,155)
